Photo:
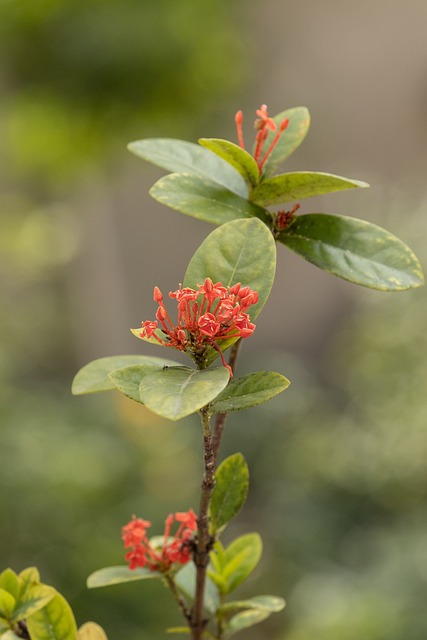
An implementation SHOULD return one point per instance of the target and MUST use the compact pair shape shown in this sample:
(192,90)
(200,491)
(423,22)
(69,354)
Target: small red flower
(175,550)
(206,316)
(263,124)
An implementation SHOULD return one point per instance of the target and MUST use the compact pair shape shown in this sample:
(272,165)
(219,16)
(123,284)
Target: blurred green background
(338,462)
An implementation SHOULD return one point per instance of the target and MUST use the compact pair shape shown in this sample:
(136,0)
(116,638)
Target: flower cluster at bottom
(161,555)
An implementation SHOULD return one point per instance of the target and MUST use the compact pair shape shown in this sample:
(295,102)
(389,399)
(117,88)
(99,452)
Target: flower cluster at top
(159,557)
(207,315)
(263,124)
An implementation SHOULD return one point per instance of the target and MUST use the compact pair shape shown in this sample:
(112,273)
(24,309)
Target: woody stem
(204,541)
(222,417)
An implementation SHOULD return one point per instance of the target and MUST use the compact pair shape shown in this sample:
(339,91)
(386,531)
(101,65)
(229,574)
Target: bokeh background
(338,462)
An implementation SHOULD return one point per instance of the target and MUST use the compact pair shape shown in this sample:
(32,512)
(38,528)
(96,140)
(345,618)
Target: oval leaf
(239,251)
(240,159)
(245,619)
(55,621)
(9,582)
(204,199)
(354,250)
(91,631)
(128,379)
(273,604)
(177,392)
(116,575)
(93,377)
(242,556)
(249,391)
(299,124)
(231,490)
(180,156)
(7,604)
(299,185)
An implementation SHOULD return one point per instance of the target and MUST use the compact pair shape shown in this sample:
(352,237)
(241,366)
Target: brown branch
(179,600)
(204,540)
(222,417)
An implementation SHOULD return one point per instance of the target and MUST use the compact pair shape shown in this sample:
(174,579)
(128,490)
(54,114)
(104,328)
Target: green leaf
(245,619)
(242,556)
(299,123)
(299,185)
(93,377)
(55,621)
(91,631)
(249,391)
(4,626)
(240,159)
(7,604)
(185,581)
(204,199)
(238,251)
(231,490)
(9,582)
(116,575)
(185,630)
(28,578)
(35,598)
(354,250)
(273,604)
(128,379)
(177,392)
(180,156)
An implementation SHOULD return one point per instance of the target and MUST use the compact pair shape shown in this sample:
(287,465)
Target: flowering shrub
(225,287)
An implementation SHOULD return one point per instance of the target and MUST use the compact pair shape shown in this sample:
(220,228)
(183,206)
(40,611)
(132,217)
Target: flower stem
(204,540)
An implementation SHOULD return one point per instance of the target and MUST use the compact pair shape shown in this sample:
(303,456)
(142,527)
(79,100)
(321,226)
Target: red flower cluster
(205,316)
(176,549)
(263,124)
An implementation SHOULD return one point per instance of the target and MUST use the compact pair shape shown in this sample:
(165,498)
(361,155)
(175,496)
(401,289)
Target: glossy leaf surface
(249,391)
(240,159)
(177,392)
(55,621)
(180,156)
(231,490)
(239,251)
(93,377)
(204,199)
(116,575)
(299,185)
(299,124)
(128,379)
(354,250)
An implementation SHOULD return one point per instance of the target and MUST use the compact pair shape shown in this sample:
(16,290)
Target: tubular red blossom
(263,124)
(207,316)
(238,119)
(176,549)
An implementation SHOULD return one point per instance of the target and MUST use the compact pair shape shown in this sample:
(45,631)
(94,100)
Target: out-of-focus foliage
(79,77)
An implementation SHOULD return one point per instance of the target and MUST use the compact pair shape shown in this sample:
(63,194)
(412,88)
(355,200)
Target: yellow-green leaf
(55,621)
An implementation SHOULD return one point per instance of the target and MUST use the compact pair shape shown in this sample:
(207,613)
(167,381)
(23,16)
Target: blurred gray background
(339,478)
